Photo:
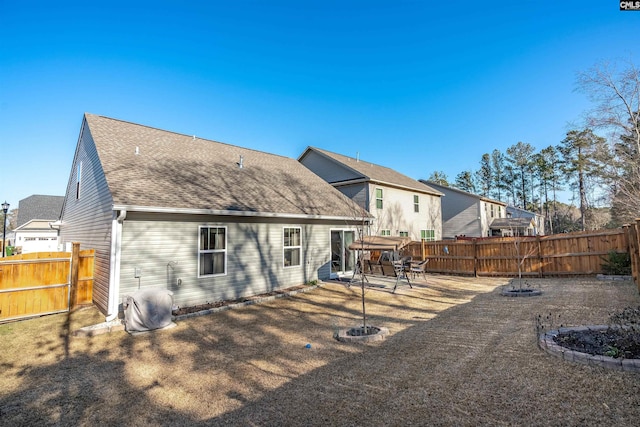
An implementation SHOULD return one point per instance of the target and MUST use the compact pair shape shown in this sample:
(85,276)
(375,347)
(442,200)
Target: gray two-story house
(467,214)
(401,206)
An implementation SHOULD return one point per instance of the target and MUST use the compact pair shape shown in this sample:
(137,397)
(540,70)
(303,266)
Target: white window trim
(343,231)
(416,205)
(78,180)
(200,251)
(284,248)
(381,198)
(428,239)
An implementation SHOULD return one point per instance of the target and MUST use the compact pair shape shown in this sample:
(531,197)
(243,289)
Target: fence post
(75,265)
(540,257)
(475,257)
(628,235)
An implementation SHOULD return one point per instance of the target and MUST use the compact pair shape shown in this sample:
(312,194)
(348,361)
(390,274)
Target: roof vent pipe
(241,162)
(137,150)
(357,156)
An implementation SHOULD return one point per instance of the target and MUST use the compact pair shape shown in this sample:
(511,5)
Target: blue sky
(417,86)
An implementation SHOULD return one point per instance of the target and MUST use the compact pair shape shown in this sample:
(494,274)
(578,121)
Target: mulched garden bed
(612,342)
(202,307)
(621,340)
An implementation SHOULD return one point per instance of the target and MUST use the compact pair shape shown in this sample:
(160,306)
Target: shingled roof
(502,223)
(153,168)
(446,188)
(39,206)
(376,173)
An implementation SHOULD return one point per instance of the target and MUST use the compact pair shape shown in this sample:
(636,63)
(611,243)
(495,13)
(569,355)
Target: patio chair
(395,270)
(374,267)
(420,268)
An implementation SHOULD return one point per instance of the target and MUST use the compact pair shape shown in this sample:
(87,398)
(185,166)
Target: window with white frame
(428,235)
(416,203)
(403,234)
(292,246)
(212,251)
(378,198)
(78,179)
(385,232)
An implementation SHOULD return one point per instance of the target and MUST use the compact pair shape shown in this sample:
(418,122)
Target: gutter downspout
(114,265)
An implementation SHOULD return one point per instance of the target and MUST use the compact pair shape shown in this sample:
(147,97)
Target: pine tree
(581,150)
(484,176)
(519,156)
(464,181)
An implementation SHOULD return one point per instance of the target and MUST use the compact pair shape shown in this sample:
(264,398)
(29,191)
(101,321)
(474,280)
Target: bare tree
(361,217)
(12,219)
(525,248)
(614,89)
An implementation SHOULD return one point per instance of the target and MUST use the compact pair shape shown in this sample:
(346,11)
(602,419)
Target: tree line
(598,161)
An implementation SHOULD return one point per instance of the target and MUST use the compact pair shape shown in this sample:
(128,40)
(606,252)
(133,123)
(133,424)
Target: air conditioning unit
(148,309)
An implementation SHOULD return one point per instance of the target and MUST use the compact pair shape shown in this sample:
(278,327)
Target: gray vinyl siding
(327,169)
(357,193)
(165,248)
(88,219)
(460,216)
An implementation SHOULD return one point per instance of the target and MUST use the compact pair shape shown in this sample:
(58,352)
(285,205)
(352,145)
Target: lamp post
(5,209)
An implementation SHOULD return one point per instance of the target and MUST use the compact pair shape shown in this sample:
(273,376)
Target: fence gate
(44,283)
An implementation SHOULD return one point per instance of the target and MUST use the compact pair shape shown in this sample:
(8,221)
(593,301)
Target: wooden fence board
(569,254)
(40,283)
(84,294)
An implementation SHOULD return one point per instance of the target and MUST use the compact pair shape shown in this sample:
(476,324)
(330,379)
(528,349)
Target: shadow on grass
(250,367)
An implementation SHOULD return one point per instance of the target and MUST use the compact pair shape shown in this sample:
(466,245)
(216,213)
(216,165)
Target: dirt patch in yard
(457,353)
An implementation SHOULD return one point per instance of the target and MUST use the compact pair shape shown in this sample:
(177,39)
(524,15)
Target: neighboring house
(206,220)
(535,228)
(402,206)
(467,214)
(513,227)
(33,232)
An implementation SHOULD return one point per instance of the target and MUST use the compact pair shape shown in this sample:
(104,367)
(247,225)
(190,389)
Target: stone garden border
(343,335)
(521,292)
(546,342)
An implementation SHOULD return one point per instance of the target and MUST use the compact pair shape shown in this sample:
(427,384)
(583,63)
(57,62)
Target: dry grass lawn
(458,353)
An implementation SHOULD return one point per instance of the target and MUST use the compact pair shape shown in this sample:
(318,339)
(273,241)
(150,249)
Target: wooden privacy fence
(45,282)
(569,254)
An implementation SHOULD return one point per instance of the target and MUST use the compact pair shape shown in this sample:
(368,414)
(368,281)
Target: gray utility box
(148,309)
